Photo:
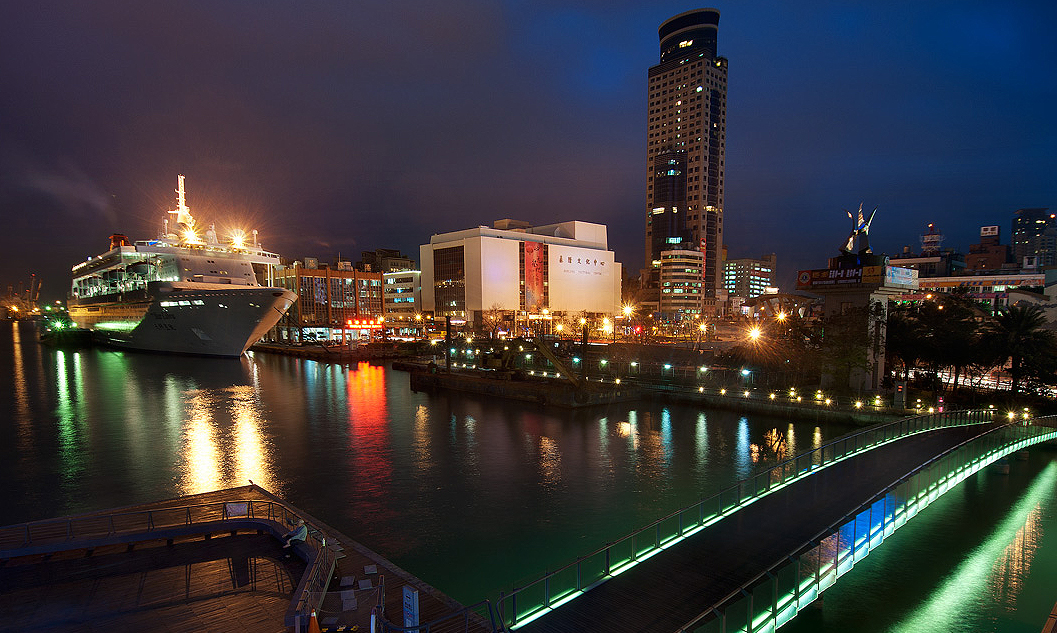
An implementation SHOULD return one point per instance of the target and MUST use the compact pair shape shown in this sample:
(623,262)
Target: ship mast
(183,213)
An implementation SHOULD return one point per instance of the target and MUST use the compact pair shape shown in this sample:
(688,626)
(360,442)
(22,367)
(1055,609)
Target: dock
(530,389)
(207,562)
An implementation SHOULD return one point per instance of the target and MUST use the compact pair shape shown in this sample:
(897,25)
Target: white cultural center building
(517,270)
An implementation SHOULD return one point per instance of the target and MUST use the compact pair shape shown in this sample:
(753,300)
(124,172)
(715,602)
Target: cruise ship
(180,293)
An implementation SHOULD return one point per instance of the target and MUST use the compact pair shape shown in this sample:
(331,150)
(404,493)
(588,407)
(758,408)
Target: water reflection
(743,450)
(467,492)
(201,454)
(70,413)
(370,458)
(252,459)
(995,570)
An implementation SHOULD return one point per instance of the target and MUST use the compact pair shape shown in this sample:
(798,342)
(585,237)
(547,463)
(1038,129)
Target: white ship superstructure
(179,293)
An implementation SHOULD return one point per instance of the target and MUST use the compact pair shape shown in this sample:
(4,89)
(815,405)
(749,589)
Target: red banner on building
(535,263)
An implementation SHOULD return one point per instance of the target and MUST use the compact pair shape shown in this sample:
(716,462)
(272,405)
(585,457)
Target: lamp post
(627,311)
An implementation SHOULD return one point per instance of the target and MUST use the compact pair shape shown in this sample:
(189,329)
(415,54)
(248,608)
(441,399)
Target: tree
(1017,335)
(844,351)
(905,338)
(492,319)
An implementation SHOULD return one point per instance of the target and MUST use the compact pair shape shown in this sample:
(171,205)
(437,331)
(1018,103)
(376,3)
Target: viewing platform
(207,562)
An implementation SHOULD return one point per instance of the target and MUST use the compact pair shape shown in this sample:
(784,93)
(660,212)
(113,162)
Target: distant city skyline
(344,128)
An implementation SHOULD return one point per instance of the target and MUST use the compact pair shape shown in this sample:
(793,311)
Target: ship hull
(183,317)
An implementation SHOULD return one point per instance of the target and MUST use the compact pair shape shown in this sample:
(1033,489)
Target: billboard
(863,275)
(535,260)
(988,231)
(582,279)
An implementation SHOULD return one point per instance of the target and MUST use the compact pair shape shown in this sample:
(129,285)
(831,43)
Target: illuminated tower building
(686,143)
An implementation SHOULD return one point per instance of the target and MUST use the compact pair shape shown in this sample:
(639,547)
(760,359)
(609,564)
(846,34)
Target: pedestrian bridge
(749,558)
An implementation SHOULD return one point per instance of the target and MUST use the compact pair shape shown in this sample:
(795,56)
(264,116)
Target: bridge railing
(537,596)
(775,596)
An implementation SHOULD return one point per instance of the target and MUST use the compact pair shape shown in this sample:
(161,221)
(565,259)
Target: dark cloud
(346,126)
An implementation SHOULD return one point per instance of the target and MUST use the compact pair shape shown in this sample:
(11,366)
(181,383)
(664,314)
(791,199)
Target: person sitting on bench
(299,533)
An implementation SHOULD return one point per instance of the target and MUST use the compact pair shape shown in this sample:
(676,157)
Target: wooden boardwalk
(220,580)
(669,589)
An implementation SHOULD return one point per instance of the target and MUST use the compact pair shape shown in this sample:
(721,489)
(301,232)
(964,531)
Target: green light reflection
(70,414)
(974,580)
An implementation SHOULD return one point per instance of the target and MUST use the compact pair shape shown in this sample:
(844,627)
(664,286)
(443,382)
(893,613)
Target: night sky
(343,126)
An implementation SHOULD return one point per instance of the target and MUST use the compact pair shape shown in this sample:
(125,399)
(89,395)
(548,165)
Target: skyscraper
(686,144)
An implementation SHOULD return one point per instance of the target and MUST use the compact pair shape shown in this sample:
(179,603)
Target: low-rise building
(747,277)
(517,273)
(681,284)
(402,301)
(991,289)
(338,303)
(990,255)
(384,260)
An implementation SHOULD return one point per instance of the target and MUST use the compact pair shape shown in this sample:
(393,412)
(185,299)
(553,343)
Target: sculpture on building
(860,228)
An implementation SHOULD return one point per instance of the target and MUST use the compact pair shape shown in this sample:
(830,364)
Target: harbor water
(468,493)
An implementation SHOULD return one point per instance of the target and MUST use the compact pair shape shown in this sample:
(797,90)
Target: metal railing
(553,588)
(95,530)
(773,597)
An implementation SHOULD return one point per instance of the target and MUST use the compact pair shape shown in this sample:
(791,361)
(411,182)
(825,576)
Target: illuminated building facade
(1034,238)
(681,284)
(563,268)
(748,278)
(685,149)
(402,298)
(991,289)
(327,300)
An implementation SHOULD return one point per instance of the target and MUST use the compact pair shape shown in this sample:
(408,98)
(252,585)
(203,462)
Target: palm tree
(1017,334)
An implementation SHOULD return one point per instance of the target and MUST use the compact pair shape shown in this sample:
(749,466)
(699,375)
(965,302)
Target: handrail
(385,626)
(600,564)
(105,528)
(990,435)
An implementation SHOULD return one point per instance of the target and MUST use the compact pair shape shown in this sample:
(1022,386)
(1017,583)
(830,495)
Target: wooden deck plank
(186,587)
(192,585)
